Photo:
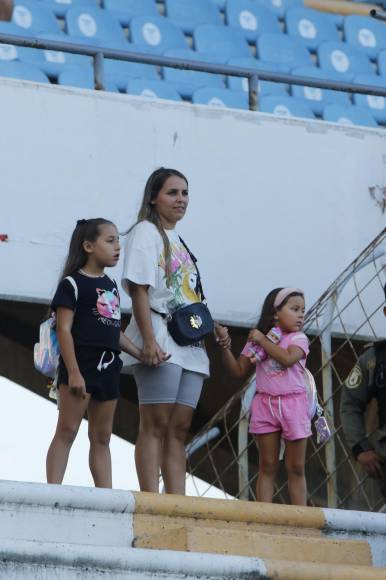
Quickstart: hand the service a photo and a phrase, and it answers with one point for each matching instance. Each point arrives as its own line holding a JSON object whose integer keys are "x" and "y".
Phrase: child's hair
{"x": 267, "y": 316}
{"x": 148, "y": 212}
{"x": 85, "y": 231}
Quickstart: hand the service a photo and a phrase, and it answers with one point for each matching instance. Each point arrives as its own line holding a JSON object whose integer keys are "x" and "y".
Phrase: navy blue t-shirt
{"x": 97, "y": 318}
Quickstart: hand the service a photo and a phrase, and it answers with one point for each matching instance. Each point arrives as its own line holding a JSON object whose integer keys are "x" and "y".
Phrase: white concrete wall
{"x": 273, "y": 202}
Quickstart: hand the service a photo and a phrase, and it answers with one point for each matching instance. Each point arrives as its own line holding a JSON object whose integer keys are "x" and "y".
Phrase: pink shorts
{"x": 286, "y": 413}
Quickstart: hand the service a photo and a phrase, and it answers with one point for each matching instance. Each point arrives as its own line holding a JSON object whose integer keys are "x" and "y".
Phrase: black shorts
{"x": 99, "y": 368}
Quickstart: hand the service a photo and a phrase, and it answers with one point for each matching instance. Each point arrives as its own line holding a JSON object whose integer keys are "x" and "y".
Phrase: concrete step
{"x": 271, "y": 546}
{"x": 33, "y": 560}
{"x": 65, "y": 532}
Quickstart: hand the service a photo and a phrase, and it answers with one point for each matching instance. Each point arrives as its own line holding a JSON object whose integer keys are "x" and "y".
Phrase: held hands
{"x": 76, "y": 385}
{"x": 255, "y": 336}
{"x": 152, "y": 354}
{"x": 372, "y": 464}
{"x": 222, "y": 336}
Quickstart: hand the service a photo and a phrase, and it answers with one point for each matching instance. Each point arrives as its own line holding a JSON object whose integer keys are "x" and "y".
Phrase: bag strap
{"x": 194, "y": 260}
{"x": 74, "y": 285}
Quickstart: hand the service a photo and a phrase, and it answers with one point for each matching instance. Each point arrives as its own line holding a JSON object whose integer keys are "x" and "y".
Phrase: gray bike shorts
{"x": 168, "y": 383}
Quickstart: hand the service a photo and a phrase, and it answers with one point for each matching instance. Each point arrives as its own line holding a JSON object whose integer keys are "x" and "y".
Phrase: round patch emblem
{"x": 247, "y": 20}
{"x": 149, "y": 94}
{"x": 151, "y": 33}
{"x": 354, "y": 379}
{"x": 345, "y": 121}
{"x": 339, "y": 61}
{"x": 366, "y": 38}
{"x": 195, "y": 321}
{"x": 22, "y": 16}
{"x": 55, "y": 56}
{"x": 306, "y": 28}
{"x": 87, "y": 25}
{"x": 375, "y": 102}
{"x": 8, "y": 52}
{"x": 313, "y": 93}
{"x": 282, "y": 110}
{"x": 216, "y": 102}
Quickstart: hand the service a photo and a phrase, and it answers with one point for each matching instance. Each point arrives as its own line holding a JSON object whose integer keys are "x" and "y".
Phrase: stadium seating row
{"x": 312, "y": 46}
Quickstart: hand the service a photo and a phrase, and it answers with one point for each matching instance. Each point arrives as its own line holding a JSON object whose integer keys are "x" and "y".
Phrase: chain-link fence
{"x": 347, "y": 316}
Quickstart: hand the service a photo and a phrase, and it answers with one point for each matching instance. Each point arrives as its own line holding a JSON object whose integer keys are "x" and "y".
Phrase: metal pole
{"x": 332, "y": 491}
{"x": 242, "y": 435}
{"x": 98, "y": 71}
{"x": 253, "y": 90}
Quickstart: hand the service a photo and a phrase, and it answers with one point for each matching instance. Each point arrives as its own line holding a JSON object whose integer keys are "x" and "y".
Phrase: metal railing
{"x": 99, "y": 53}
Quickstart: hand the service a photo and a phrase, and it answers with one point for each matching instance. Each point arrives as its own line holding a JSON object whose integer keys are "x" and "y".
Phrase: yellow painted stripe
{"x": 228, "y": 510}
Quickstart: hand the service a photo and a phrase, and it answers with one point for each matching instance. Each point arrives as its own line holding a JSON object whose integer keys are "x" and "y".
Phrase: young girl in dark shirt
{"x": 88, "y": 325}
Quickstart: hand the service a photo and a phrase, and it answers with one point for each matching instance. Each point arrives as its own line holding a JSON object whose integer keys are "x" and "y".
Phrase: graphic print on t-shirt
{"x": 183, "y": 276}
{"x": 108, "y": 303}
{"x": 108, "y": 307}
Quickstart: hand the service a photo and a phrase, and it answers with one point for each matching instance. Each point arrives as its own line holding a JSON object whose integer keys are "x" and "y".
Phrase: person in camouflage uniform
{"x": 366, "y": 381}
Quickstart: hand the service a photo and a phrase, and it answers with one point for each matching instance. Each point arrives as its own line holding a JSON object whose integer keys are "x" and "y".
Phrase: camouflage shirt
{"x": 367, "y": 380}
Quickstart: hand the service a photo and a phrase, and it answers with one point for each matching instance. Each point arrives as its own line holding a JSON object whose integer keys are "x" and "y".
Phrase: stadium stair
{"x": 49, "y": 531}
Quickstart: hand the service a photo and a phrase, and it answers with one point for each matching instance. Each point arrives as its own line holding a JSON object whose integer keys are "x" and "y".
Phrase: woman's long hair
{"x": 148, "y": 212}
{"x": 267, "y": 316}
{"x": 85, "y": 231}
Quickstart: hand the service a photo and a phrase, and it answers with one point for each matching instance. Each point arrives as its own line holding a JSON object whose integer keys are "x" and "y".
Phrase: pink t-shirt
{"x": 274, "y": 379}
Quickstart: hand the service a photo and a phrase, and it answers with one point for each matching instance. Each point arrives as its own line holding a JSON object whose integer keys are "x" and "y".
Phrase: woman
{"x": 160, "y": 277}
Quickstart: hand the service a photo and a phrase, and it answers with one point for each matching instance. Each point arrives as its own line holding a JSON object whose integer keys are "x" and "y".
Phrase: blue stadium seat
{"x": 219, "y": 3}
{"x": 353, "y": 115}
{"x": 265, "y": 87}
{"x": 156, "y": 34}
{"x": 188, "y": 14}
{"x": 382, "y": 63}
{"x": 280, "y": 7}
{"x": 95, "y": 26}
{"x": 376, "y": 104}
{"x": 310, "y": 27}
{"x": 83, "y": 78}
{"x": 125, "y": 10}
{"x": 318, "y": 98}
{"x": 53, "y": 62}
{"x": 188, "y": 81}
{"x": 283, "y": 49}
{"x": 341, "y": 58}
{"x": 34, "y": 17}
{"x": 13, "y": 28}
{"x": 252, "y": 18}
{"x": 223, "y": 40}
{"x": 152, "y": 89}
{"x": 220, "y": 98}
{"x": 285, "y": 107}
{"x": 120, "y": 72}
{"x": 365, "y": 33}
{"x": 22, "y": 70}
{"x": 9, "y": 52}
{"x": 60, "y": 7}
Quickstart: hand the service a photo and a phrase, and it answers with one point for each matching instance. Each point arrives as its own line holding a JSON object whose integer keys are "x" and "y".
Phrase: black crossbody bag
{"x": 190, "y": 324}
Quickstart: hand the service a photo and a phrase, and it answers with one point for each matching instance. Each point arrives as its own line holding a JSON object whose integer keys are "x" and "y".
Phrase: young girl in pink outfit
{"x": 277, "y": 350}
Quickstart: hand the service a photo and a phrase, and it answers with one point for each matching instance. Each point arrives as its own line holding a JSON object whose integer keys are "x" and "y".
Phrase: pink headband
{"x": 282, "y": 295}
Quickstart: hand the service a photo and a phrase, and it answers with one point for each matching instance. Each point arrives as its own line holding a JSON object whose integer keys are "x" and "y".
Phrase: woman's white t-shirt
{"x": 144, "y": 263}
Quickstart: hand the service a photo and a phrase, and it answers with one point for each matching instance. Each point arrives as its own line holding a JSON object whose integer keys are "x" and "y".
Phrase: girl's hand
{"x": 255, "y": 336}
{"x": 153, "y": 355}
{"x": 222, "y": 336}
{"x": 76, "y": 385}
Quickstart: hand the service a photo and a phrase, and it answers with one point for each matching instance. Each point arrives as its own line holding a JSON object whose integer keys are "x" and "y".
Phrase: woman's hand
{"x": 153, "y": 355}
{"x": 255, "y": 336}
{"x": 222, "y": 336}
{"x": 76, "y": 385}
